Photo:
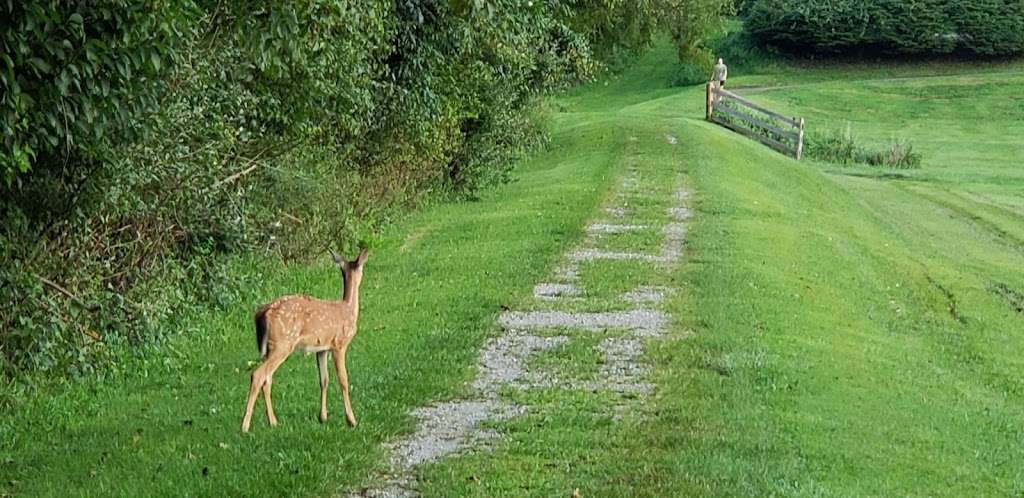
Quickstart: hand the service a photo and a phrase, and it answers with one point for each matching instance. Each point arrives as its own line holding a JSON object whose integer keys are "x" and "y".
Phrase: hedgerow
{"x": 988, "y": 27}
{"x": 144, "y": 143}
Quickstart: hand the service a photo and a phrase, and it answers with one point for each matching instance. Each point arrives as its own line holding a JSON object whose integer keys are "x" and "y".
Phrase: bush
{"x": 841, "y": 147}
{"x": 143, "y": 144}
{"x": 990, "y": 27}
{"x": 275, "y": 126}
{"x": 742, "y": 53}
{"x": 689, "y": 73}
{"x": 900, "y": 155}
{"x": 73, "y": 72}
{"x": 837, "y": 146}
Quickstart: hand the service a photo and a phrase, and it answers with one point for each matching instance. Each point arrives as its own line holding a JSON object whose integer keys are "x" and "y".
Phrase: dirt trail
{"x": 451, "y": 427}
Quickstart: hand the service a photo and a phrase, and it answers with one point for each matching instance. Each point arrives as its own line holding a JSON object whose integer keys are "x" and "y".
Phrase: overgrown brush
{"x": 842, "y": 147}
{"x": 742, "y": 53}
{"x": 143, "y": 144}
{"x": 281, "y": 126}
{"x": 689, "y": 73}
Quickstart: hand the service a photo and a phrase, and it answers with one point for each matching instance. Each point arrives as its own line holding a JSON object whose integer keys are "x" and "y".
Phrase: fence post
{"x": 800, "y": 141}
{"x": 709, "y": 107}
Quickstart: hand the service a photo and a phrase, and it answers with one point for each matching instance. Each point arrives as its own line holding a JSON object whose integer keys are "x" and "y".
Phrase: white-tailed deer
{"x": 310, "y": 325}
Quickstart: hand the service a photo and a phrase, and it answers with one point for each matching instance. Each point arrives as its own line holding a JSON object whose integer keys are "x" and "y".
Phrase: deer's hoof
{"x": 323, "y": 418}
{"x": 352, "y": 422}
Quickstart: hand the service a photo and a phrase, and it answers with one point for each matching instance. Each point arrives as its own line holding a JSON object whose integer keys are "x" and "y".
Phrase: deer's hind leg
{"x": 321, "y": 365}
{"x": 271, "y": 365}
{"x": 261, "y": 379}
{"x": 254, "y": 392}
{"x": 339, "y": 365}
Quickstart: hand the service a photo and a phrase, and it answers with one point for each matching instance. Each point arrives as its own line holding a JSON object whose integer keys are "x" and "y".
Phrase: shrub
{"x": 835, "y": 147}
{"x": 990, "y": 27}
{"x": 71, "y": 73}
{"x": 281, "y": 126}
{"x": 841, "y": 147}
{"x": 143, "y": 144}
{"x": 899, "y": 155}
{"x": 688, "y": 73}
{"x": 742, "y": 53}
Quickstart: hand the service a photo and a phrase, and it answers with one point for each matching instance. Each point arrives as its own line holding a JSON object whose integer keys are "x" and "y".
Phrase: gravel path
{"x": 648, "y": 321}
{"x": 449, "y": 427}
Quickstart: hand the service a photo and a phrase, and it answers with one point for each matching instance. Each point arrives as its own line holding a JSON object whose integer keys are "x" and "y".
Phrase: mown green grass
{"x": 836, "y": 331}
{"x": 849, "y": 338}
{"x": 430, "y": 295}
{"x": 849, "y": 370}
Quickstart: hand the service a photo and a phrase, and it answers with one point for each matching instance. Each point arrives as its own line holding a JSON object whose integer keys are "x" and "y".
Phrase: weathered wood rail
{"x": 782, "y": 133}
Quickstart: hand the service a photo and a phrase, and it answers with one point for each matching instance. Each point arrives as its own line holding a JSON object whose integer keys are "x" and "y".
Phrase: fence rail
{"x": 782, "y": 133}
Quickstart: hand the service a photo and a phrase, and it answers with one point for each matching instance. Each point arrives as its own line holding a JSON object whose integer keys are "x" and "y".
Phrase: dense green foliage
{"x": 70, "y": 73}
{"x": 143, "y": 142}
{"x": 281, "y": 126}
{"x": 743, "y": 54}
{"x": 618, "y": 28}
{"x": 688, "y": 73}
{"x": 990, "y": 27}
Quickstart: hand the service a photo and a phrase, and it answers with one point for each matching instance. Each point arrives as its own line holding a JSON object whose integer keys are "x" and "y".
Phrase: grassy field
{"x": 856, "y": 329}
{"x": 837, "y": 331}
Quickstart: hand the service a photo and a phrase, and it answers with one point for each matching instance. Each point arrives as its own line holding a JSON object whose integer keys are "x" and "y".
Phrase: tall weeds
{"x": 842, "y": 147}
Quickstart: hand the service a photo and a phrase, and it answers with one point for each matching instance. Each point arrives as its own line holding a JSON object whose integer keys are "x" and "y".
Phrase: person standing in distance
{"x": 720, "y": 74}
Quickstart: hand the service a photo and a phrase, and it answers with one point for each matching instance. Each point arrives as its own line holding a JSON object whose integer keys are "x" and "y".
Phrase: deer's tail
{"x": 261, "y": 331}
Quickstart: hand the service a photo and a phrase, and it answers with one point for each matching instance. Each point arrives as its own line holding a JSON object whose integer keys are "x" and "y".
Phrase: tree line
{"x": 144, "y": 143}
{"x": 925, "y": 27}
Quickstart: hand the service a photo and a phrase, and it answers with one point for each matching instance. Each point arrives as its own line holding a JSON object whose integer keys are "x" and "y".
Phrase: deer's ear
{"x": 362, "y": 256}
{"x": 338, "y": 260}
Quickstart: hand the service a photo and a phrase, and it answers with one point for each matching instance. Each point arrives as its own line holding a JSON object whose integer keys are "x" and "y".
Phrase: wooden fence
{"x": 782, "y": 133}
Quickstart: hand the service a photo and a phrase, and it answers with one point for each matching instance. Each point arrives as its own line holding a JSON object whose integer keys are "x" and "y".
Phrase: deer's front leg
{"x": 321, "y": 365}
{"x": 339, "y": 365}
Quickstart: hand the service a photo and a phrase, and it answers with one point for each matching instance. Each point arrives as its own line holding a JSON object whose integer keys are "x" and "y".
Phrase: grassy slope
{"x": 869, "y": 353}
{"x": 863, "y": 353}
{"x": 848, "y": 340}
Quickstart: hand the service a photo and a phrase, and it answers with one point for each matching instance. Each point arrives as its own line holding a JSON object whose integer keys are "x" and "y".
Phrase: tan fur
{"x": 309, "y": 325}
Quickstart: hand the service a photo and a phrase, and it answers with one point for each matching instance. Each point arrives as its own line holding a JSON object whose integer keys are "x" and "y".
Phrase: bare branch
{"x": 66, "y": 292}
{"x": 251, "y": 165}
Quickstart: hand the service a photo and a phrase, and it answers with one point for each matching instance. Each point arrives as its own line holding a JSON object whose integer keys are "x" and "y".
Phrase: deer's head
{"x": 351, "y": 272}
